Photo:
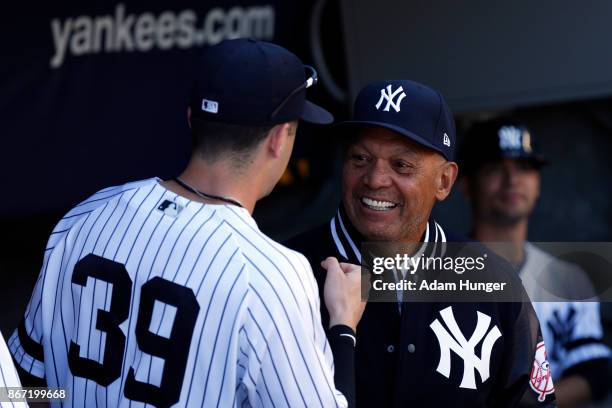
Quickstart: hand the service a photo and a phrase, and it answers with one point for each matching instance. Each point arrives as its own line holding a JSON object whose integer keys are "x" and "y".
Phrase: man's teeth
{"x": 378, "y": 205}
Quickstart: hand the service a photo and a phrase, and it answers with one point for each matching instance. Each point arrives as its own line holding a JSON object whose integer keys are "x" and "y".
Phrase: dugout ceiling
{"x": 483, "y": 54}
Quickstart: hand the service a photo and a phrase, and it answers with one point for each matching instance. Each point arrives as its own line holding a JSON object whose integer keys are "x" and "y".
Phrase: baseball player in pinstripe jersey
{"x": 166, "y": 293}
{"x": 501, "y": 162}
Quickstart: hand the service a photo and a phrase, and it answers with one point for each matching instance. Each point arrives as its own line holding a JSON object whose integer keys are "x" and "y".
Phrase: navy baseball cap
{"x": 496, "y": 139}
{"x": 410, "y": 109}
{"x": 250, "y": 82}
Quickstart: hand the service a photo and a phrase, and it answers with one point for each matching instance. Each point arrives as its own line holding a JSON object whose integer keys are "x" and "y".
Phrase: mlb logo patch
{"x": 210, "y": 106}
{"x": 170, "y": 208}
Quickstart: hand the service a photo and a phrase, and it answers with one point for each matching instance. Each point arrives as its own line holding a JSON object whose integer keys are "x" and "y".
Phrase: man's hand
{"x": 342, "y": 293}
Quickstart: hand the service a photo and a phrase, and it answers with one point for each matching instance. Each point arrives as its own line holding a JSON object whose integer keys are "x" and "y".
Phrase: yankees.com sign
{"x": 95, "y": 93}
{"x": 123, "y": 31}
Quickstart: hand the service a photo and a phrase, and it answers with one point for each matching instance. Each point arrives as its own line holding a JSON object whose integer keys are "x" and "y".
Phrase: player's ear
{"x": 445, "y": 179}
{"x": 277, "y": 137}
{"x": 189, "y": 116}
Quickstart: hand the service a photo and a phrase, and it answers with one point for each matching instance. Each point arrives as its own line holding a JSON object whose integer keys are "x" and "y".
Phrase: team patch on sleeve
{"x": 540, "y": 379}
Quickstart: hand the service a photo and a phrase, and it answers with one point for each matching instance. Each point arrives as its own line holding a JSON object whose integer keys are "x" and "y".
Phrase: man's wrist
{"x": 342, "y": 322}
{"x": 343, "y": 331}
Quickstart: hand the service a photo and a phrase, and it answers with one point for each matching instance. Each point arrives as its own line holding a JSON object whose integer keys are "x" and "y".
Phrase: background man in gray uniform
{"x": 500, "y": 165}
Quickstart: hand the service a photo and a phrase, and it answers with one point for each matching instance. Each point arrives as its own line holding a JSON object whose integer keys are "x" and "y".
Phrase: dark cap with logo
{"x": 496, "y": 139}
{"x": 411, "y": 109}
{"x": 250, "y": 82}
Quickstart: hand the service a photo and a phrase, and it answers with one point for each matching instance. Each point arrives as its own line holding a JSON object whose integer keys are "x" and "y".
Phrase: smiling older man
{"x": 398, "y": 164}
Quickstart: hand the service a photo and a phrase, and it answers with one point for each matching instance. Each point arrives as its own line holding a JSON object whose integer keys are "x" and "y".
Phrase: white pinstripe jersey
{"x": 148, "y": 298}
{"x": 8, "y": 374}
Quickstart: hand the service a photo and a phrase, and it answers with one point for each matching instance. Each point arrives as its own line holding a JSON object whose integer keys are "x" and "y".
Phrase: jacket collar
{"x": 348, "y": 241}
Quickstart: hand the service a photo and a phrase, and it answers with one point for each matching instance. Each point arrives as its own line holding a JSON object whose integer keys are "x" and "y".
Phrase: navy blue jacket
{"x": 398, "y": 357}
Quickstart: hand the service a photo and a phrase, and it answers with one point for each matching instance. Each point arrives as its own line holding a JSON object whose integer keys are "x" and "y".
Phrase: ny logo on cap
{"x": 388, "y": 95}
{"x": 509, "y": 138}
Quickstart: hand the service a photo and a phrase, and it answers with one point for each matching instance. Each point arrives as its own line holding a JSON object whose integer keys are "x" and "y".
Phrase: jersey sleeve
{"x": 26, "y": 342}
{"x": 585, "y": 339}
{"x": 526, "y": 378}
{"x": 578, "y": 341}
{"x": 577, "y": 325}
{"x": 287, "y": 366}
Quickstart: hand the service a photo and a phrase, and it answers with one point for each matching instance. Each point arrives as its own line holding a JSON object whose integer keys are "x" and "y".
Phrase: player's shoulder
{"x": 538, "y": 255}
{"x": 103, "y": 196}
{"x": 278, "y": 275}
{"x": 545, "y": 259}
{"x": 295, "y": 258}
{"x": 95, "y": 202}
{"x": 555, "y": 275}
{"x": 257, "y": 247}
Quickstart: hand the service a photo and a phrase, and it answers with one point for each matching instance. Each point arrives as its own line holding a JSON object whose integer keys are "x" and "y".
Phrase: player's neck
{"x": 220, "y": 179}
{"x": 510, "y": 236}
